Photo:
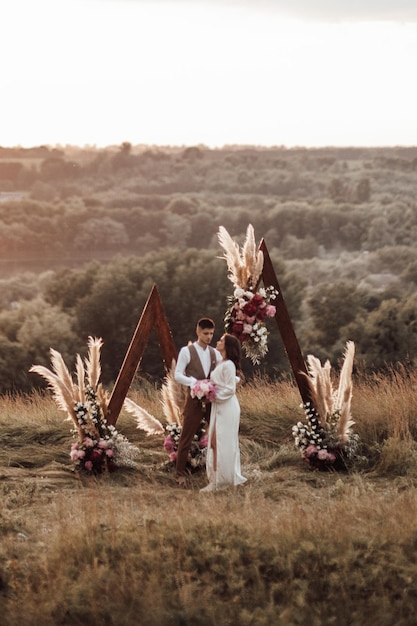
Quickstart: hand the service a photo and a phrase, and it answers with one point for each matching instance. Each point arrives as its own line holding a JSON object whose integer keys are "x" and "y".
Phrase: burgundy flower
{"x": 261, "y": 314}
{"x": 250, "y": 308}
{"x": 258, "y": 301}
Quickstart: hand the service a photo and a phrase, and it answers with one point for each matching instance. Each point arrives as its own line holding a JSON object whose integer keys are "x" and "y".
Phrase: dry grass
{"x": 291, "y": 547}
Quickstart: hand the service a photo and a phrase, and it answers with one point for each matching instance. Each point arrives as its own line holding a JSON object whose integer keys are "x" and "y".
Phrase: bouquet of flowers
{"x": 99, "y": 446}
{"x": 326, "y": 439}
{"x": 204, "y": 390}
{"x": 245, "y": 318}
{"x": 198, "y": 450}
{"x": 249, "y": 307}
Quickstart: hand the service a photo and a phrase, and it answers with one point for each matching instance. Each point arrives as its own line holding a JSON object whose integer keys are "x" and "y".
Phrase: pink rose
{"x": 168, "y": 444}
{"x": 88, "y": 466}
{"x": 172, "y": 457}
{"x": 247, "y": 329}
{"x": 271, "y": 310}
{"x": 310, "y": 450}
{"x": 109, "y": 453}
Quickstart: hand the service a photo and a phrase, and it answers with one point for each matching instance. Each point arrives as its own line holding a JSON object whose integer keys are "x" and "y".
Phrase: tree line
{"x": 84, "y": 233}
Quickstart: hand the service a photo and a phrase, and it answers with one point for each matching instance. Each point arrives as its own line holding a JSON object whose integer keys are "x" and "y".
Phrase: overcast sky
{"x": 265, "y": 72}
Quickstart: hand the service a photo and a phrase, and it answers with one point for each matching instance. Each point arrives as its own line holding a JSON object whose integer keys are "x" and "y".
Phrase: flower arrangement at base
{"x": 326, "y": 439}
{"x": 99, "y": 446}
{"x": 248, "y": 307}
{"x": 173, "y": 399}
{"x": 198, "y": 450}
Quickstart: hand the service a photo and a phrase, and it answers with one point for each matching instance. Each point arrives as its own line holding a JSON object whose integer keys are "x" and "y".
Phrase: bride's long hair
{"x": 233, "y": 350}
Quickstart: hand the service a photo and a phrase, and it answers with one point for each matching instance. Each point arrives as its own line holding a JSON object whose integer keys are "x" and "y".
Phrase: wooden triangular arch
{"x": 285, "y": 327}
{"x": 153, "y": 316}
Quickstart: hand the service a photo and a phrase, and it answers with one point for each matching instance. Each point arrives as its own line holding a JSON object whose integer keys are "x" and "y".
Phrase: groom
{"x": 195, "y": 362}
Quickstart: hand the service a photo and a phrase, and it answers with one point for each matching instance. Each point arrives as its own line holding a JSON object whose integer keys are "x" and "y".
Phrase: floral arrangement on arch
{"x": 173, "y": 400}
{"x": 326, "y": 439}
{"x": 99, "y": 447}
{"x": 249, "y": 306}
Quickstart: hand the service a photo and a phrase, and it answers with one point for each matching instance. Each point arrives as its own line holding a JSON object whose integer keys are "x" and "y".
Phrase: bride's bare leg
{"x": 214, "y": 448}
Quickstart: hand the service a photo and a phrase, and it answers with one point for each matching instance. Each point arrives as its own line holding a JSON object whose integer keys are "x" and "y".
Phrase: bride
{"x": 223, "y": 452}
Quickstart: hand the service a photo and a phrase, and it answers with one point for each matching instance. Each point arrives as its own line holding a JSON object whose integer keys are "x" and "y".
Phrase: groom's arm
{"x": 179, "y": 374}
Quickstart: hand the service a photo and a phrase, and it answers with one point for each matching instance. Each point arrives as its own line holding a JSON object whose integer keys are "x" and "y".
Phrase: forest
{"x": 86, "y": 232}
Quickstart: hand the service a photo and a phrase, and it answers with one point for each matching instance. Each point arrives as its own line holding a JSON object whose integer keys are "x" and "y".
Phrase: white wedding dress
{"x": 224, "y": 421}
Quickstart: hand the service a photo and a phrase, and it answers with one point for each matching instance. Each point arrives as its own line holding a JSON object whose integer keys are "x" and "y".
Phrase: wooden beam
{"x": 153, "y": 315}
{"x": 285, "y": 327}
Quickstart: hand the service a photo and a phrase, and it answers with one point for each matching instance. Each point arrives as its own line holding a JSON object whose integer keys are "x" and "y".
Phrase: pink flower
{"x": 271, "y": 310}
{"x": 204, "y": 390}
{"x": 172, "y": 457}
{"x": 331, "y": 457}
{"x": 310, "y": 450}
{"x": 168, "y": 444}
{"x": 322, "y": 455}
{"x": 103, "y": 444}
{"x": 247, "y": 329}
{"x": 88, "y": 466}
{"x": 88, "y": 442}
{"x": 109, "y": 453}
{"x": 204, "y": 441}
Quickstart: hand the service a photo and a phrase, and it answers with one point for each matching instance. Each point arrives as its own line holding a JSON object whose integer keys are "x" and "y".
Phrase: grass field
{"x": 291, "y": 547}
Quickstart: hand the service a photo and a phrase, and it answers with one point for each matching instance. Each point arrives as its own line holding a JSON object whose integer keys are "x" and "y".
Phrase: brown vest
{"x": 194, "y": 367}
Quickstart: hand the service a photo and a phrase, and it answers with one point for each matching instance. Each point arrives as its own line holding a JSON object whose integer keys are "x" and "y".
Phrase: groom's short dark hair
{"x": 205, "y": 322}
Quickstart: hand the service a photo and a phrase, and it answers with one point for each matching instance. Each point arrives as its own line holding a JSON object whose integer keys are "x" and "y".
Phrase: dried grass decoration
{"x": 173, "y": 399}
{"x": 327, "y": 441}
{"x": 99, "y": 446}
{"x": 248, "y": 307}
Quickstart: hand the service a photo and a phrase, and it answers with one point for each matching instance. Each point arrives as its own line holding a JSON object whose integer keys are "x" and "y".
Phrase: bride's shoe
{"x": 210, "y": 487}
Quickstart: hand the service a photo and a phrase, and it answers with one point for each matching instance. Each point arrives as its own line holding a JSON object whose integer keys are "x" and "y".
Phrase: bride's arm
{"x": 226, "y": 385}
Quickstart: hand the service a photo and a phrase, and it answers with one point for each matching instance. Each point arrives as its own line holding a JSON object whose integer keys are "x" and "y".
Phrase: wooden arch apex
{"x": 153, "y": 316}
